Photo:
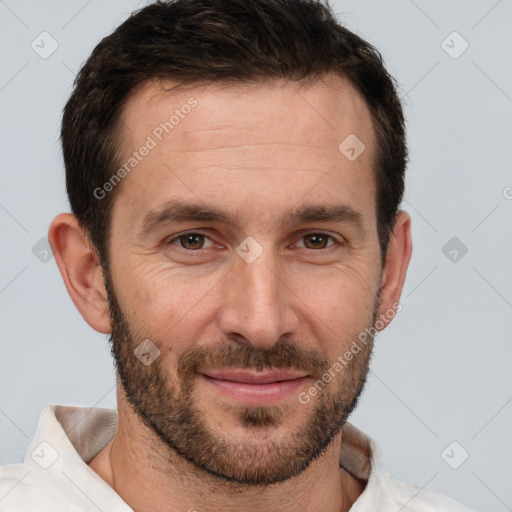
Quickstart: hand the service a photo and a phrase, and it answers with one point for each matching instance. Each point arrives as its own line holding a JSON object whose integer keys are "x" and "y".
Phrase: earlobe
{"x": 79, "y": 267}
{"x": 395, "y": 269}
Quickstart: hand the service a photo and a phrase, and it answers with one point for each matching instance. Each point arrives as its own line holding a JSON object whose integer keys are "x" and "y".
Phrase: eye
{"x": 191, "y": 241}
{"x": 318, "y": 241}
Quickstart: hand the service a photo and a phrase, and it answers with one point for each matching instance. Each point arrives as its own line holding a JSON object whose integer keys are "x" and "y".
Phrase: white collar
{"x": 77, "y": 434}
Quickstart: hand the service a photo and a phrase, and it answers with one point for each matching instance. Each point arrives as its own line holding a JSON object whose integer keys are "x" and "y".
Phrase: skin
{"x": 255, "y": 151}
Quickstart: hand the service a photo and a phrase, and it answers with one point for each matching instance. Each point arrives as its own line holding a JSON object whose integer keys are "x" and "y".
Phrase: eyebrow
{"x": 179, "y": 211}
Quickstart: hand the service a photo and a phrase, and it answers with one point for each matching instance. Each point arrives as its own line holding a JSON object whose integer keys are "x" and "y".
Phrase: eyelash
{"x": 337, "y": 242}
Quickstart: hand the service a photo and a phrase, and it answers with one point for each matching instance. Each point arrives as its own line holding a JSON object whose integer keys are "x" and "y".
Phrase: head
{"x": 235, "y": 171}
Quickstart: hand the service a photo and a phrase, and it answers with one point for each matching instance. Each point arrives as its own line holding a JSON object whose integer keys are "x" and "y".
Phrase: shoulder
{"x": 20, "y": 490}
{"x": 361, "y": 456}
{"x": 416, "y": 498}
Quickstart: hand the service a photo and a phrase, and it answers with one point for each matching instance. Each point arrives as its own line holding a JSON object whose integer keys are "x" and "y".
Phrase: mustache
{"x": 282, "y": 355}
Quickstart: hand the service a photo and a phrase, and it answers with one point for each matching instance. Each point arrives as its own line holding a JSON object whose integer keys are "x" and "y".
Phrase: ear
{"x": 394, "y": 271}
{"x": 79, "y": 266}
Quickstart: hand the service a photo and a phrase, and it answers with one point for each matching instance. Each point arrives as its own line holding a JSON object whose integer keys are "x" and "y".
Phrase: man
{"x": 235, "y": 170}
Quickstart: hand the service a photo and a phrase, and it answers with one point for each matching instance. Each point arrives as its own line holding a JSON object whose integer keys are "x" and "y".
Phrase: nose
{"x": 258, "y": 305}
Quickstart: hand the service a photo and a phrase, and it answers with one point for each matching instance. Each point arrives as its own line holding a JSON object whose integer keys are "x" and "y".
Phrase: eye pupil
{"x": 193, "y": 241}
{"x": 316, "y": 240}
{"x": 190, "y": 241}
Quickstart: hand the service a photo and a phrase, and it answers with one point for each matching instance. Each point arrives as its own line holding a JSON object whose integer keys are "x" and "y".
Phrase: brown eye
{"x": 192, "y": 241}
{"x": 316, "y": 241}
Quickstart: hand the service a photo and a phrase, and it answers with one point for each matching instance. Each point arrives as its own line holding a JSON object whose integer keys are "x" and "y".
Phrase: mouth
{"x": 255, "y": 388}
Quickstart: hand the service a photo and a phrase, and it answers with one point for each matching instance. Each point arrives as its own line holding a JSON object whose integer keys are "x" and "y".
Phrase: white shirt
{"x": 55, "y": 476}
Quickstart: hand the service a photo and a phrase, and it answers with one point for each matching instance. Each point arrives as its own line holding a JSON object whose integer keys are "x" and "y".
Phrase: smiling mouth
{"x": 255, "y": 388}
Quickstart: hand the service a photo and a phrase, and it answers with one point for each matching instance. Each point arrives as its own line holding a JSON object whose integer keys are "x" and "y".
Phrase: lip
{"x": 255, "y": 388}
{"x": 253, "y": 377}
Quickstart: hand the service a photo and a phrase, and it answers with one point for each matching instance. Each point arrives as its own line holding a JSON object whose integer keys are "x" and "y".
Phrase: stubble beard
{"x": 166, "y": 404}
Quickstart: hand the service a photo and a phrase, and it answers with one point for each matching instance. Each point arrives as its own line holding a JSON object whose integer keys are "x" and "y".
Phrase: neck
{"x": 150, "y": 476}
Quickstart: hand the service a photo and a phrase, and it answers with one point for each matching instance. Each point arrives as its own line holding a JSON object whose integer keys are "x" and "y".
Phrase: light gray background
{"x": 442, "y": 370}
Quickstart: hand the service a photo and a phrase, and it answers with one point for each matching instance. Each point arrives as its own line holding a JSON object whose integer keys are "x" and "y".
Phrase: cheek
{"x": 338, "y": 306}
{"x": 167, "y": 305}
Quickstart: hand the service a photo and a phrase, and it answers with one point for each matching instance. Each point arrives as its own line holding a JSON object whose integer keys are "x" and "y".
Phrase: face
{"x": 244, "y": 250}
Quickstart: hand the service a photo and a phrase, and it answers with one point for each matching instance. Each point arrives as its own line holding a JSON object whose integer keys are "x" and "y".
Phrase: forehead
{"x": 331, "y": 105}
{"x": 256, "y": 147}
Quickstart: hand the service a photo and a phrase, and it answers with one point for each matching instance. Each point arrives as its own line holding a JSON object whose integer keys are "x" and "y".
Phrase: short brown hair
{"x": 197, "y": 41}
